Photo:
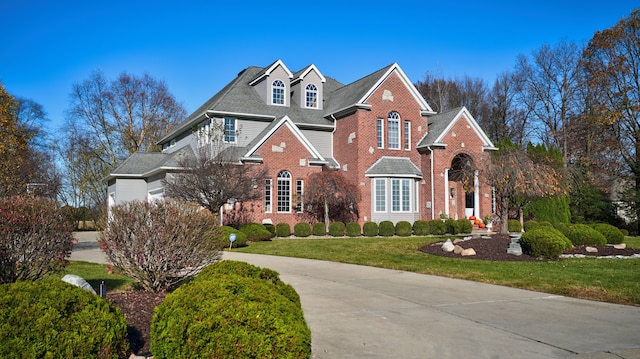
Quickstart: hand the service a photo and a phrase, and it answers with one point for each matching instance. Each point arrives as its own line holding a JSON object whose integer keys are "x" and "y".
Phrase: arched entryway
{"x": 463, "y": 187}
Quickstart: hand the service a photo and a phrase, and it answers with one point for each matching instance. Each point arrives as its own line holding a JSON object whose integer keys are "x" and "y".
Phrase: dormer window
{"x": 311, "y": 95}
{"x": 278, "y": 90}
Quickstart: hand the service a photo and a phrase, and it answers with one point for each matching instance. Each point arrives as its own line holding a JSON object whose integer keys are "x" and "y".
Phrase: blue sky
{"x": 197, "y": 47}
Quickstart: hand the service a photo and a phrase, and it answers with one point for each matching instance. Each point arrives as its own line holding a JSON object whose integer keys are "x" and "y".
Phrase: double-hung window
{"x": 393, "y": 130}
{"x": 381, "y": 194}
{"x": 267, "y": 195}
{"x": 299, "y": 195}
{"x": 380, "y": 132}
{"x": 311, "y": 96}
{"x": 229, "y": 130}
{"x": 407, "y": 135}
{"x": 400, "y": 195}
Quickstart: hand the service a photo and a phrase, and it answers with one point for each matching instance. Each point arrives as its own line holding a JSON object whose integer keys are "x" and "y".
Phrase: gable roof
{"x": 387, "y": 166}
{"x": 440, "y": 124}
{"x": 267, "y": 71}
{"x": 302, "y": 73}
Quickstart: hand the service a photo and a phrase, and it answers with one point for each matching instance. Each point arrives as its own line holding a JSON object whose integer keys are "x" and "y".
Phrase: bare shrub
{"x": 36, "y": 239}
{"x": 161, "y": 244}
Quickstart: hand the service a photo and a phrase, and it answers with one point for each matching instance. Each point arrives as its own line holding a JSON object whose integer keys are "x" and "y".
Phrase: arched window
{"x": 393, "y": 130}
{"x": 284, "y": 191}
{"x": 278, "y": 92}
{"x": 311, "y": 96}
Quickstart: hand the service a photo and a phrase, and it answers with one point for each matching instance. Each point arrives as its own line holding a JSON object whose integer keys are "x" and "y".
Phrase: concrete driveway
{"x": 364, "y": 312}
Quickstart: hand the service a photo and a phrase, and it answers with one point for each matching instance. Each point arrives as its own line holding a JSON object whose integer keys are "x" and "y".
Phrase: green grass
{"x": 607, "y": 280}
{"x": 96, "y": 273}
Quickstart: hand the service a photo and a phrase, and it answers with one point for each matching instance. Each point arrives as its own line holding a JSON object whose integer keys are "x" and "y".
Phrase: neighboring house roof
{"x": 144, "y": 164}
{"x": 440, "y": 124}
{"x": 393, "y": 167}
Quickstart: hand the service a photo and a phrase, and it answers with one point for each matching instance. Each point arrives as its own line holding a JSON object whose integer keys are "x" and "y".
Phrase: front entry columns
{"x": 476, "y": 195}
{"x": 446, "y": 191}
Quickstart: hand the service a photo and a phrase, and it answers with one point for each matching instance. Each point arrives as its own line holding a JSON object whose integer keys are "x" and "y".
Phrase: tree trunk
{"x": 326, "y": 215}
{"x": 504, "y": 215}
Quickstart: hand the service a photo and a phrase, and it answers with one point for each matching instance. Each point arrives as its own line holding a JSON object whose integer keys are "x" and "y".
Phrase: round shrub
{"x": 386, "y": 229}
{"x": 583, "y": 234}
{"x": 611, "y": 233}
{"x": 370, "y": 229}
{"x": 283, "y": 230}
{"x": 244, "y": 269}
{"x": 336, "y": 229}
{"x": 544, "y": 242}
{"x": 302, "y": 229}
{"x": 319, "y": 229}
{"x": 452, "y": 225}
{"x": 465, "y": 225}
{"x": 404, "y": 229}
{"x": 437, "y": 227}
{"x": 256, "y": 232}
{"x": 530, "y": 225}
{"x": 514, "y": 225}
{"x": 421, "y": 228}
{"x": 229, "y": 317}
{"x": 271, "y": 228}
{"x": 53, "y": 319}
{"x": 562, "y": 227}
{"x": 353, "y": 229}
{"x": 241, "y": 237}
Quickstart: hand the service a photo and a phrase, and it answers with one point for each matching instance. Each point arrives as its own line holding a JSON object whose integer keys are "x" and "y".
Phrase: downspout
{"x": 433, "y": 205}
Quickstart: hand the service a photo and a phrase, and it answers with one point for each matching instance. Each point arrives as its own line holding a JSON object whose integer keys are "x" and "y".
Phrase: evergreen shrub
{"x": 256, "y": 232}
{"x": 580, "y": 234}
{"x": 370, "y": 229}
{"x": 302, "y": 229}
{"x": 386, "y": 229}
{"x": 544, "y": 242}
{"x": 452, "y": 225}
{"x": 404, "y": 229}
{"x": 562, "y": 227}
{"x": 241, "y": 237}
{"x": 283, "y": 230}
{"x": 437, "y": 227}
{"x": 233, "y": 317}
{"x": 421, "y": 228}
{"x": 271, "y": 228}
{"x": 514, "y": 226}
{"x": 319, "y": 229}
{"x": 465, "y": 225}
{"x": 353, "y": 229}
{"x": 611, "y": 233}
{"x": 336, "y": 229}
{"x": 52, "y": 319}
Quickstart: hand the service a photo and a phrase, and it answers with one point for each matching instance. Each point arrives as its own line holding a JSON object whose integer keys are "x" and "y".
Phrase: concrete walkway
{"x": 364, "y": 312}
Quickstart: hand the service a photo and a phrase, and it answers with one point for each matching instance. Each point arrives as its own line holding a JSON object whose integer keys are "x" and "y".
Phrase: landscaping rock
{"x": 468, "y": 252}
{"x": 448, "y": 246}
{"x": 591, "y": 249}
{"x": 620, "y": 246}
{"x": 457, "y": 249}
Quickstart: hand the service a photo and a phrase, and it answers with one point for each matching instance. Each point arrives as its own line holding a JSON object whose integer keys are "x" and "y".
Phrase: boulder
{"x": 591, "y": 249}
{"x": 468, "y": 252}
{"x": 448, "y": 246}
{"x": 620, "y": 246}
{"x": 78, "y": 281}
{"x": 457, "y": 249}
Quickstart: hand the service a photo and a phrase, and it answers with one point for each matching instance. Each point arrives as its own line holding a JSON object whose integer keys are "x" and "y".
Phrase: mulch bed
{"x": 138, "y": 306}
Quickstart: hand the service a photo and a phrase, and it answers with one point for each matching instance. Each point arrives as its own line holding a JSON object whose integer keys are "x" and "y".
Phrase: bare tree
{"x": 112, "y": 120}
{"x": 330, "y": 196}
{"x": 215, "y": 176}
{"x": 443, "y": 95}
{"x": 506, "y": 120}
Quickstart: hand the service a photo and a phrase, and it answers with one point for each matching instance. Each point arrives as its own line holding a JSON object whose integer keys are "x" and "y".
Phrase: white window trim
{"x": 398, "y": 138}
{"x": 375, "y": 194}
{"x": 401, "y": 194}
{"x": 407, "y": 135}
{"x": 268, "y": 199}
{"x": 235, "y": 130}
{"x": 380, "y": 134}
{"x": 300, "y": 196}
{"x": 306, "y": 95}
{"x": 284, "y": 94}
{"x": 284, "y": 179}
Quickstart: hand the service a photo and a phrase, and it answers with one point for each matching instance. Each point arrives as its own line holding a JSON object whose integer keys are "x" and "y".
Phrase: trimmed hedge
{"x": 404, "y": 229}
{"x": 241, "y": 237}
{"x": 302, "y": 229}
{"x": 583, "y": 234}
{"x": 256, "y": 232}
{"x": 336, "y": 229}
{"x": 421, "y": 228}
{"x": 353, "y": 229}
{"x": 437, "y": 227}
{"x": 271, "y": 228}
{"x": 386, "y": 229}
{"x": 544, "y": 242}
{"x": 514, "y": 225}
{"x": 465, "y": 225}
{"x": 283, "y": 230}
{"x": 453, "y": 226}
{"x": 611, "y": 233}
{"x": 233, "y": 317}
{"x": 319, "y": 229}
{"x": 53, "y": 319}
{"x": 370, "y": 229}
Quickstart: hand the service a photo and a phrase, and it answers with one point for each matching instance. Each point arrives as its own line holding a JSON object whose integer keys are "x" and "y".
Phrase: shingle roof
{"x": 141, "y": 163}
{"x": 350, "y": 94}
{"x": 394, "y": 166}
{"x": 437, "y": 125}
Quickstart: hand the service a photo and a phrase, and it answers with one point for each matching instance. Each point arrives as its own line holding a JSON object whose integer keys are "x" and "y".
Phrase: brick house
{"x": 409, "y": 162}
